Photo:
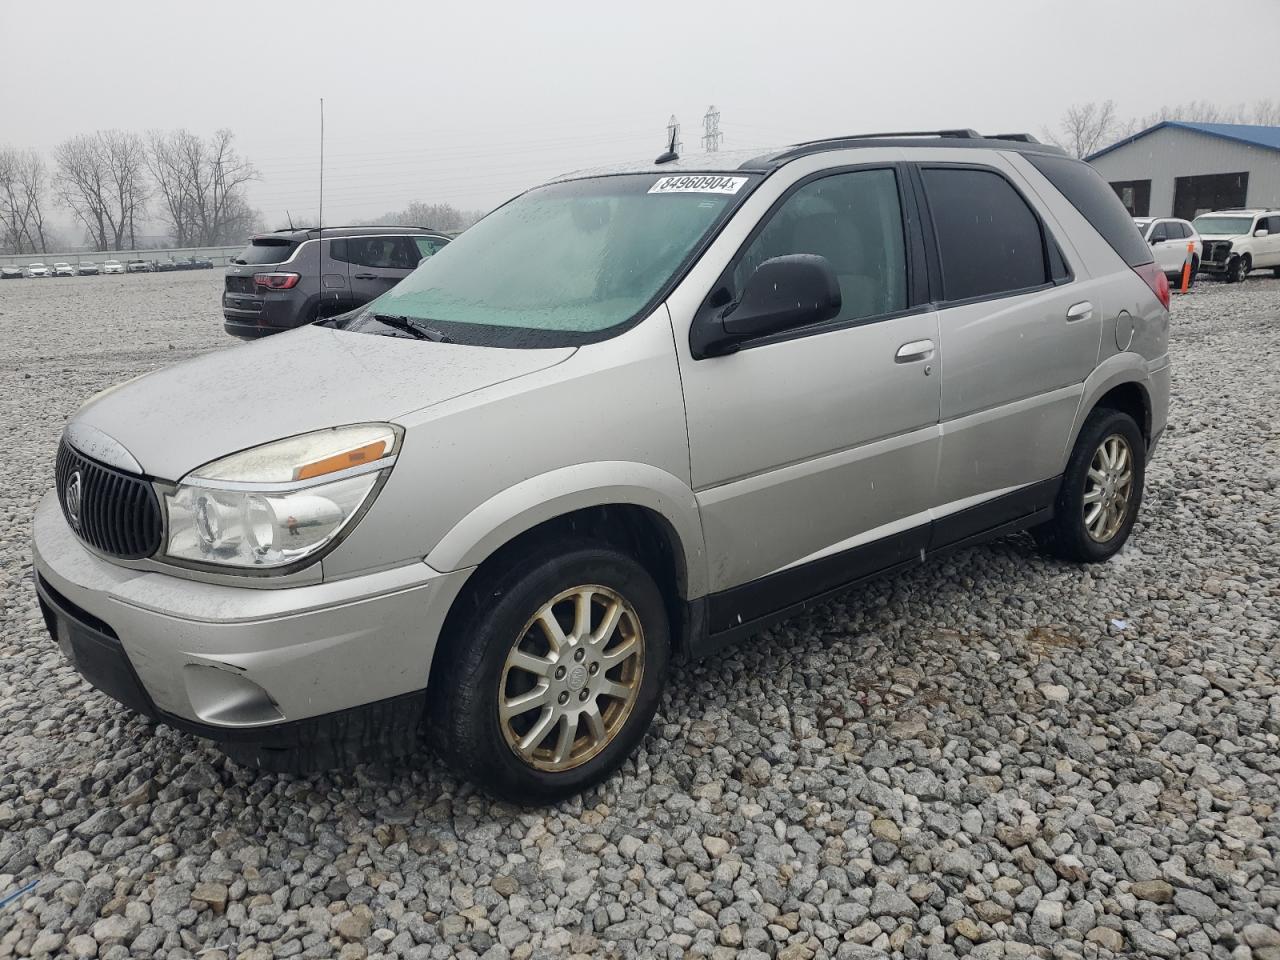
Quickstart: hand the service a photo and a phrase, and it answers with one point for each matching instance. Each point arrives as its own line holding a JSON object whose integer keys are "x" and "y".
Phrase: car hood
{"x": 181, "y": 417}
{"x": 1222, "y": 236}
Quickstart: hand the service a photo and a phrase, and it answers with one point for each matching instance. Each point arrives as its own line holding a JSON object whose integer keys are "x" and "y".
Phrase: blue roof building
{"x": 1180, "y": 168}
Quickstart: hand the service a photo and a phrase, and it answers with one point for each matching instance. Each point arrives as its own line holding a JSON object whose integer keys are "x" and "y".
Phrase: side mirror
{"x": 1263, "y": 232}
{"x": 783, "y": 293}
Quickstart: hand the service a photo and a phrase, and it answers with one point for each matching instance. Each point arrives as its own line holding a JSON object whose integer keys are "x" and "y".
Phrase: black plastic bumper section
{"x": 391, "y": 727}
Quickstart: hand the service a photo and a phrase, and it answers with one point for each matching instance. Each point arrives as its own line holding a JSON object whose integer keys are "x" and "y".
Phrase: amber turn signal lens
{"x": 342, "y": 461}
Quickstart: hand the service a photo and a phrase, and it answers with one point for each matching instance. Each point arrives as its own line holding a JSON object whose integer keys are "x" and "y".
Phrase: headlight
{"x": 280, "y": 503}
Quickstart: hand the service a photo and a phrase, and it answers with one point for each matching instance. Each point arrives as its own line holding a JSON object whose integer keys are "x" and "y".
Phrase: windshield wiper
{"x": 411, "y": 326}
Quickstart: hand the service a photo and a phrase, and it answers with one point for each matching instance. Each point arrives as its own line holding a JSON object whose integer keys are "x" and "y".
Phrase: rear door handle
{"x": 366, "y": 276}
{"x": 1080, "y": 311}
{"x": 913, "y": 351}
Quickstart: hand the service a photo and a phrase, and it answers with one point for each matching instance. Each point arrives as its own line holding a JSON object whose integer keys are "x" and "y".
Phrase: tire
{"x": 1195, "y": 268}
{"x": 1239, "y": 269}
{"x": 1070, "y": 535}
{"x": 1275, "y": 272}
{"x": 485, "y": 659}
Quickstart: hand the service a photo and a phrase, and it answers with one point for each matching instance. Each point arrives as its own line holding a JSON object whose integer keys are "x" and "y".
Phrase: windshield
{"x": 563, "y": 264}
{"x": 1232, "y": 226}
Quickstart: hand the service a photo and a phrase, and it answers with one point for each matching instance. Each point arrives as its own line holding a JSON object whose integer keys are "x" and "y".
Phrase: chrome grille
{"x": 114, "y": 512}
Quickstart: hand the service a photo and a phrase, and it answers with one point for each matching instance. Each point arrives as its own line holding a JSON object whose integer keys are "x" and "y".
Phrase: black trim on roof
{"x": 354, "y": 230}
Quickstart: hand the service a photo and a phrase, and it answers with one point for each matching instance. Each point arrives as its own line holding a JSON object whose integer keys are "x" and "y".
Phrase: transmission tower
{"x": 711, "y": 136}
{"x": 673, "y": 135}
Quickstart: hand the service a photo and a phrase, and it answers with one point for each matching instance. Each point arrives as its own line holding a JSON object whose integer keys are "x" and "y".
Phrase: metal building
{"x": 1182, "y": 169}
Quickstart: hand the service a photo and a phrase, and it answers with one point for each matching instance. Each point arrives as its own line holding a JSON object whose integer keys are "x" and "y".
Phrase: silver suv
{"x": 632, "y": 415}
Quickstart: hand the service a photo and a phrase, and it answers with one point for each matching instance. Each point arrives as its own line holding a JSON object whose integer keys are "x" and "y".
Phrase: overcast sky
{"x": 469, "y": 103}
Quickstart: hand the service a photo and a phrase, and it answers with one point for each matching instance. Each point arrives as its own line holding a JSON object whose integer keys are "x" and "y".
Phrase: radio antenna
{"x": 321, "y": 163}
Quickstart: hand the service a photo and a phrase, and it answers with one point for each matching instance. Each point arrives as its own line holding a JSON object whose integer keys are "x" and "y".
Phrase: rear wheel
{"x": 1101, "y": 490}
{"x": 1275, "y": 272}
{"x": 552, "y": 674}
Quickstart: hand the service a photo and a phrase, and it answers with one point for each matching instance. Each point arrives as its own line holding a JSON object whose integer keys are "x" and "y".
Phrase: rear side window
{"x": 429, "y": 245}
{"x": 1097, "y": 203}
{"x": 388, "y": 253}
{"x": 267, "y": 250}
{"x": 989, "y": 240}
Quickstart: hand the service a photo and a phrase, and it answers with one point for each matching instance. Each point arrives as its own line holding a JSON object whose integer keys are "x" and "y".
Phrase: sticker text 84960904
{"x": 698, "y": 184}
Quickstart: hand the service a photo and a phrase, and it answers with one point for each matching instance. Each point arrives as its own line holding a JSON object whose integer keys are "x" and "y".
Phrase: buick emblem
{"x": 72, "y": 494}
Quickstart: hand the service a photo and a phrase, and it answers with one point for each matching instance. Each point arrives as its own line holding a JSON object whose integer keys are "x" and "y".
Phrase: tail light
{"x": 276, "y": 281}
{"x": 1154, "y": 278}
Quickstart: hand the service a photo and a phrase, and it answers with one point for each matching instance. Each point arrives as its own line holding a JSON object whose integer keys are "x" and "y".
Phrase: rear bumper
{"x": 294, "y": 678}
{"x": 250, "y": 316}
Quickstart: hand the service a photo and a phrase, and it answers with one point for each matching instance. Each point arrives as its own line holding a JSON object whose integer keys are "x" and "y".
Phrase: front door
{"x": 809, "y": 448}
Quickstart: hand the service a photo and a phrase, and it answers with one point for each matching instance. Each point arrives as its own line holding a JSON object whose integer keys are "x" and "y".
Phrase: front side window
{"x": 989, "y": 240}
{"x": 563, "y": 264}
{"x": 1161, "y": 232}
{"x": 852, "y": 219}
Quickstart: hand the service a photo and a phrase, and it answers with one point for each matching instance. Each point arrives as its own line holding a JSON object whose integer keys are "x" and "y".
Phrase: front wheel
{"x": 1101, "y": 490}
{"x": 552, "y": 673}
{"x": 1239, "y": 269}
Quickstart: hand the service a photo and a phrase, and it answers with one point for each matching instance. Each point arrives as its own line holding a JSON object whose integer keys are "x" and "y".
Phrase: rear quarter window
{"x": 1097, "y": 203}
{"x": 267, "y": 251}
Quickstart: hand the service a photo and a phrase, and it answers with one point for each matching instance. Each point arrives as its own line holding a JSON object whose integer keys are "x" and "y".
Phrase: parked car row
{"x": 91, "y": 268}
{"x": 1223, "y": 243}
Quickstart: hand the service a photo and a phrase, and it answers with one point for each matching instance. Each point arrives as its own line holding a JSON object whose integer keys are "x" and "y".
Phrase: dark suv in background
{"x": 291, "y": 277}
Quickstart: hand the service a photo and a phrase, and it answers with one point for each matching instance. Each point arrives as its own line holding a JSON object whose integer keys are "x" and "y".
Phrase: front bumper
{"x": 294, "y": 678}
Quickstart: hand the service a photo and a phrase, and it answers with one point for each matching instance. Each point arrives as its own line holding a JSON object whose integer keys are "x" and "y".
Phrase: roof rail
{"x": 1016, "y": 137}
{"x": 958, "y": 134}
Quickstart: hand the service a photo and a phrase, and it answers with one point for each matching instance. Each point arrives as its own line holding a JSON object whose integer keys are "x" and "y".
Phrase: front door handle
{"x": 913, "y": 351}
{"x": 1080, "y": 311}
{"x": 366, "y": 276}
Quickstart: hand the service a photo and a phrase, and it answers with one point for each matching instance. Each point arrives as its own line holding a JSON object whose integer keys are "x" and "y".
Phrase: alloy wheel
{"x": 571, "y": 678}
{"x": 1108, "y": 488}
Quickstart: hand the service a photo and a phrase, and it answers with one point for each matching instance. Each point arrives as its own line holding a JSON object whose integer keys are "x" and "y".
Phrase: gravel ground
{"x": 993, "y": 756}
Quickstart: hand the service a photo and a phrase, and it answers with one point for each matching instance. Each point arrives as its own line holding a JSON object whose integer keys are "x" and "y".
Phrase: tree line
{"x": 1085, "y": 128}
{"x": 115, "y": 183}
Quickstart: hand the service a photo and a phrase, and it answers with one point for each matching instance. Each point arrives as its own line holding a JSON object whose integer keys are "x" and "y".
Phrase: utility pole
{"x": 711, "y": 135}
{"x": 673, "y": 135}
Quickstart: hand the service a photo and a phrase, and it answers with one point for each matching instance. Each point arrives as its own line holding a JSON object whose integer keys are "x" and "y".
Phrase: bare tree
{"x": 1088, "y": 127}
{"x": 201, "y": 184}
{"x": 23, "y": 183}
{"x": 437, "y": 216}
{"x": 102, "y": 178}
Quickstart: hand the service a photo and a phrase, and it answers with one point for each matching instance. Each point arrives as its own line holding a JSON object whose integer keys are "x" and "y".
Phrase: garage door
{"x": 1193, "y": 196}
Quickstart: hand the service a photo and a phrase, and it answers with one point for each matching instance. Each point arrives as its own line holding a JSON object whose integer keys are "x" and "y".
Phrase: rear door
{"x": 1019, "y": 335}
{"x": 376, "y": 263}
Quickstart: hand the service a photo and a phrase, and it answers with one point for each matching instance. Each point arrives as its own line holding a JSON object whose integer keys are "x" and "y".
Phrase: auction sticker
{"x": 702, "y": 184}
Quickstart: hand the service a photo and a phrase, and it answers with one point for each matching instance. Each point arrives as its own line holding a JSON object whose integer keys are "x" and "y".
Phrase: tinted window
{"x": 988, "y": 238}
{"x": 855, "y": 221}
{"x": 429, "y": 245}
{"x": 266, "y": 250}
{"x": 1161, "y": 232}
{"x": 387, "y": 253}
{"x": 1096, "y": 202}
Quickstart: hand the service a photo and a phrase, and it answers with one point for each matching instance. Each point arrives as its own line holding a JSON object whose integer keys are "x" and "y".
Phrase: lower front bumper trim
{"x": 343, "y": 738}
